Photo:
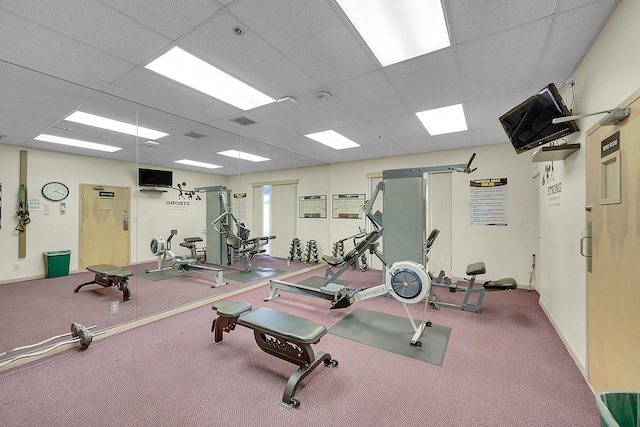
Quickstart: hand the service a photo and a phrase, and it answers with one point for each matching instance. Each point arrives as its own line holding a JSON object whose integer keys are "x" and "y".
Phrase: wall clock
{"x": 55, "y": 191}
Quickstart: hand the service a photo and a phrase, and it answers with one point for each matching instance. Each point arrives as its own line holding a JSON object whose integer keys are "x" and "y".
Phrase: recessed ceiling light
{"x": 198, "y": 164}
{"x": 398, "y": 30}
{"x": 76, "y": 143}
{"x": 443, "y": 120}
{"x": 185, "y": 68}
{"x": 243, "y": 156}
{"x": 332, "y": 139}
{"x": 114, "y": 125}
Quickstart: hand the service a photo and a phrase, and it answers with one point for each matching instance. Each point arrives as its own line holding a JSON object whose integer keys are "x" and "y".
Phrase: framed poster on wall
{"x": 347, "y": 206}
{"x": 489, "y": 201}
{"x": 312, "y": 206}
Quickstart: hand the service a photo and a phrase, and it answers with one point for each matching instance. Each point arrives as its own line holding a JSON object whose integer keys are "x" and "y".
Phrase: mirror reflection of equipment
{"x": 162, "y": 249}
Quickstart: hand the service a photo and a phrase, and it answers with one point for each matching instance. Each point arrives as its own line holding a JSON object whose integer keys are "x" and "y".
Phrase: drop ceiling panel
{"x": 406, "y": 126}
{"x": 472, "y": 20}
{"x": 35, "y": 46}
{"x": 569, "y": 40}
{"x": 418, "y": 145}
{"x": 452, "y": 141}
{"x": 371, "y": 95}
{"x": 311, "y": 34}
{"x": 288, "y": 117}
{"x": 502, "y": 62}
{"x": 259, "y": 131}
{"x": 95, "y": 24}
{"x": 426, "y": 82}
{"x": 488, "y": 136}
{"x": 332, "y": 113}
{"x": 247, "y": 57}
{"x": 167, "y": 17}
{"x": 63, "y": 57}
{"x": 304, "y": 146}
{"x": 485, "y": 112}
{"x": 363, "y": 133}
{"x": 150, "y": 88}
{"x": 40, "y": 87}
{"x": 387, "y": 149}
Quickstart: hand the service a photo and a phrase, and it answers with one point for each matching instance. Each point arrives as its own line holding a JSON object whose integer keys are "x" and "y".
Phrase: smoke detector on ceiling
{"x": 322, "y": 95}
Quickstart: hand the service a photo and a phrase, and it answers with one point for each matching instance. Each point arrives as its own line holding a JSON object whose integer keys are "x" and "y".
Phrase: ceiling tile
{"x": 94, "y": 24}
{"x": 470, "y": 20}
{"x": 167, "y": 17}
{"x": 248, "y": 58}
{"x": 311, "y": 35}
{"x": 502, "y": 62}
{"x": 426, "y": 82}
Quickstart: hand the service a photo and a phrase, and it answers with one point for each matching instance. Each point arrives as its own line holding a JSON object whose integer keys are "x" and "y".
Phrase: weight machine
{"x": 162, "y": 249}
{"x": 224, "y": 245}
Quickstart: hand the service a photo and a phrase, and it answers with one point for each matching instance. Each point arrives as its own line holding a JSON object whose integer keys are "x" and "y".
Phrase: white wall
{"x": 506, "y": 251}
{"x": 609, "y": 73}
{"x": 151, "y": 214}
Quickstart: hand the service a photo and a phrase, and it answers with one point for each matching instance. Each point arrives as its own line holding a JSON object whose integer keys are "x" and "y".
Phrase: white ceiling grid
{"x": 65, "y": 55}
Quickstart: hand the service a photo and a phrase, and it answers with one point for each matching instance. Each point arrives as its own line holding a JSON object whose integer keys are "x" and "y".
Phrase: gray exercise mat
{"x": 318, "y": 282}
{"x": 393, "y": 333}
{"x": 255, "y": 273}
{"x": 157, "y": 276}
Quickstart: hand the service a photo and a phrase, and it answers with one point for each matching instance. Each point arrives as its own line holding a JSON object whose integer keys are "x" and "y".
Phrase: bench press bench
{"x": 109, "y": 275}
{"x": 282, "y": 335}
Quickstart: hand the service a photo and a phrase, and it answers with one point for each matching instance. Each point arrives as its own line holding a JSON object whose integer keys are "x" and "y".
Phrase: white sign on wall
{"x": 489, "y": 201}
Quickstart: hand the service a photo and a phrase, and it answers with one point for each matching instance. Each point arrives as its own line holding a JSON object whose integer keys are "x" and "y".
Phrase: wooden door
{"x": 613, "y": 283}
{"x": 104, "y": 225}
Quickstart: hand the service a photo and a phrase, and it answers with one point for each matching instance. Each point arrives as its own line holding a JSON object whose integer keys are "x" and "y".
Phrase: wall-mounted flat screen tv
{"x": 528, "y": 124}
{"x": 155, "y": 178}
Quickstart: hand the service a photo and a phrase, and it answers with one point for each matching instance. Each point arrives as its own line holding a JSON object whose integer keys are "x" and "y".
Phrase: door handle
{"x": 125, "y": 222}
{"x": 582, "y": 240}
{"x": 588, "y": 208}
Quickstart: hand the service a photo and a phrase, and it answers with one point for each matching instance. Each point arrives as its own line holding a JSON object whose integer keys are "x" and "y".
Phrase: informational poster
{"x": 35, "y": 204}
{"x": 489, "y": 201}
{"x": 348, "y": 206}
{"x": 240, "y": 206}
{"x": 0, "y": 206}
{"x": 313, "y": 206}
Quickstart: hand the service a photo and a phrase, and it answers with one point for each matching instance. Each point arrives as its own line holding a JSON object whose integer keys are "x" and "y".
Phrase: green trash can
{"x": 56, "y": 263}
{"x": 618, "y": 408}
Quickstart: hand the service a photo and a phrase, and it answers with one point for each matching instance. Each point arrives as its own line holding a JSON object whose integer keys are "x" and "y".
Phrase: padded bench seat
{"x": 280, "y": 334}
{"x": 107, "y": 275}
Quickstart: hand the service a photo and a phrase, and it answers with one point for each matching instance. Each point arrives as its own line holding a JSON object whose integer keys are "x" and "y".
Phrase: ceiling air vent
{"x": 194, "y": 135}
{"x": 243, "y": 121}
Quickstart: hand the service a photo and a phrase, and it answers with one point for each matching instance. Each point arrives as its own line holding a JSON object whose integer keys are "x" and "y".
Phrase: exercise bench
{"x": 279, "y": 334}
{"x": 109, "y": 275}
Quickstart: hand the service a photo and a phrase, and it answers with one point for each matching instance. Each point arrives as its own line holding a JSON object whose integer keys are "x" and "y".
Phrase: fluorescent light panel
{"x": 400, "y": 29}
{"x": 198, "y": 164}
{"x": 191, "y": 71}
{"x": 114, "y": 125}
{"x": 76, "y": 143}
{"x": 243, "y": 156}
{"x": 333, "y": 139}
{"x": 443, "y": 120}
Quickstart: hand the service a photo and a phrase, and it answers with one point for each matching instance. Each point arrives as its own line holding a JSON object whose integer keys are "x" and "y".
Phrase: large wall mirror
{"x": 108, "y": 218}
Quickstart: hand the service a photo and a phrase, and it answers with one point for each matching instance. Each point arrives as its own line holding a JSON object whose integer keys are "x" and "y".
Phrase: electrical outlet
{"x": 115, "y": 307}
{"x": 16, "y": 266}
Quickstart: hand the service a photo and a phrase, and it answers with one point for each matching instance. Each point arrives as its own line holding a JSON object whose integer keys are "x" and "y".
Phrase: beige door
{"x": 613, "y": 282}
{"x": 104, "y": 225}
